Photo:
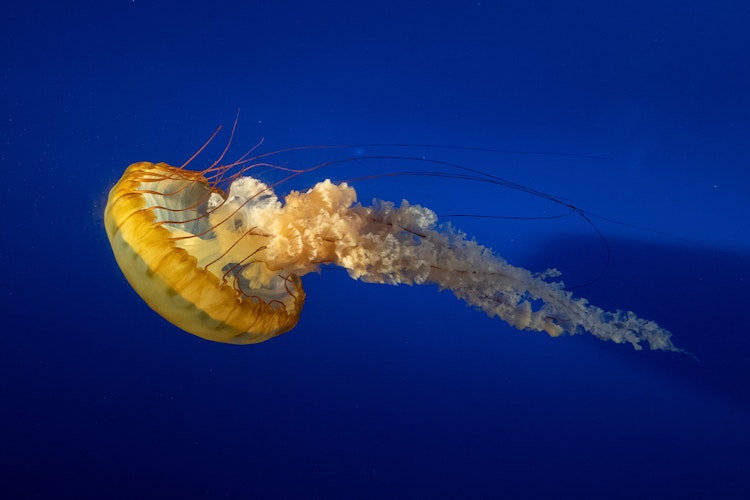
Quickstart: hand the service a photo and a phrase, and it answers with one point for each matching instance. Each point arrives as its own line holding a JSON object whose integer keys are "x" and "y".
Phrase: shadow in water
{"x": 702, "y": 295}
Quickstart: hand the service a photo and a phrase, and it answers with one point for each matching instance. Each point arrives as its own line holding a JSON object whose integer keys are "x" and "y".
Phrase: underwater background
{"x": 636, "y": 112}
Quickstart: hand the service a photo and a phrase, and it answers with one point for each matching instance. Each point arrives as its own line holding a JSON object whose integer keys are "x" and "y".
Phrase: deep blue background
{"x": 384, "y": 391}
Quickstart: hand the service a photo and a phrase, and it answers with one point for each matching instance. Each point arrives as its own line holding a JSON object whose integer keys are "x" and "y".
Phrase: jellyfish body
{"x": 159, "y": 229}
{"x": 226, "y": 266}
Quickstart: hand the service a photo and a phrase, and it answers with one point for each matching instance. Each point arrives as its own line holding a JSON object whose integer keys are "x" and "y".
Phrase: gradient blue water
{"x": 384, "y": 392}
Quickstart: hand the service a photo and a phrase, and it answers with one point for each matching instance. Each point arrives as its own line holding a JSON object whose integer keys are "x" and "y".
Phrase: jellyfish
{"x": 226, "y": 265}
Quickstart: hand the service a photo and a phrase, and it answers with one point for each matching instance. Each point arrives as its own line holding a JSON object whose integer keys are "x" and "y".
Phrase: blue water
{"x": 642, "y": 113}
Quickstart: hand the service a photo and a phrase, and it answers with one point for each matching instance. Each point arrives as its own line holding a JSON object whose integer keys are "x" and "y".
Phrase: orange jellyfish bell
{"x": 178, "y": 245}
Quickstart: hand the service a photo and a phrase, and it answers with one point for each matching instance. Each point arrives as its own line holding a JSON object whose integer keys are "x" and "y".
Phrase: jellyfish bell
{"x": 158, "y": 223}
{"x": 220, "y": 255}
